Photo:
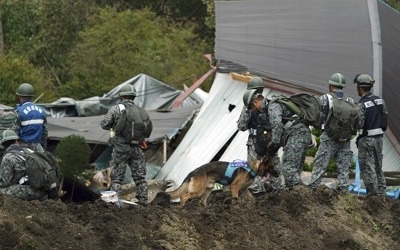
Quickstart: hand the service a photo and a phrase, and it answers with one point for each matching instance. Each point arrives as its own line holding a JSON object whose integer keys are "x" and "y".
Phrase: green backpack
{"x": 306, "y": 107}
{"x": 134, "y": 125}
{"x": 42, "y": 170}
{"x": 342, "y": 120}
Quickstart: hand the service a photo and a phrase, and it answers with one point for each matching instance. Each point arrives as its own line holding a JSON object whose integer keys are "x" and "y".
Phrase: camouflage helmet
{"x": 127, "y": 90}
{"x": 255, "y": 83}
{"x": 338, "y": 80}
{"x": 25, "y": 89}
{"x": 364, "y": 80}
{"x": 248, "y": 97}
{"x": 8, "y": 135}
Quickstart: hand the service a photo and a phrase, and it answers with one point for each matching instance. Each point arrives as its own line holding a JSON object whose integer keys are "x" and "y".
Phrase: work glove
{"x": 273, "y": 147}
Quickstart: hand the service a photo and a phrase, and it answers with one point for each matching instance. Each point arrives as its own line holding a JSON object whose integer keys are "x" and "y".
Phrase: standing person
{"x": 13, "y": 174}
{"x": 30, "y": 120}
{"x": 128, "y": 151}
{"x": 296, "y": 138}
{"x": 330, "y": 147}
{"x": 373, "y": 123}
{"x": 248, "y": 120}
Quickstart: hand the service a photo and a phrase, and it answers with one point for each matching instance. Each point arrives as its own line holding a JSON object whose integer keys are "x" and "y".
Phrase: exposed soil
{"x": 295, "y": 219}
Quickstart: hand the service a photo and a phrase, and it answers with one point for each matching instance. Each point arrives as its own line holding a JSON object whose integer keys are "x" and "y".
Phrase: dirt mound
{"x": 295, "y": 219}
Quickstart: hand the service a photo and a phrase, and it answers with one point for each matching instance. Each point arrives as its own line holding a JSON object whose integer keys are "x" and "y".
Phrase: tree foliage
{"x": 45, "y": 31}
{"x": 55, "y": 36}
{"x": 19, "y": 19}
{"x": 15, "y": 70}
{"x": 118, "y": 45}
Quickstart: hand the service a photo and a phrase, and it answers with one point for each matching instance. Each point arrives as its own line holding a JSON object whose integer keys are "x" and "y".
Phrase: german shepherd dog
{"x": 200, "y": 182}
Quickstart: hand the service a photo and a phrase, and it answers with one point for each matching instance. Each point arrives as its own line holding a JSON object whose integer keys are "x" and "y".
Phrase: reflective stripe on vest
{"x": 29, "y": 122}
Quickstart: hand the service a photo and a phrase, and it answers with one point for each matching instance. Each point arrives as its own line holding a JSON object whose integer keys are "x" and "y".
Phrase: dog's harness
{"x": 232, "y": 167}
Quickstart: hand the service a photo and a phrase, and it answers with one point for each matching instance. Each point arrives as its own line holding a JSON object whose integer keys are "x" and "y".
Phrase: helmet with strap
{"x": 8, "y": 135}
{"x": 338, "y": 80}
{"x": 364, "y": 80}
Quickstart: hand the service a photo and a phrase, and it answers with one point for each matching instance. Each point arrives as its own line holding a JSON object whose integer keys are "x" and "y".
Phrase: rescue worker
{"x": 373, "y": 123}
{"x": 329, "y": 147}
{"x": 13, "y": 180}
{"x": 126, "y": 153}
{"x": 294, "y": 136}
{"x": 254, "y": 101}
{"x": 30, "y": 120}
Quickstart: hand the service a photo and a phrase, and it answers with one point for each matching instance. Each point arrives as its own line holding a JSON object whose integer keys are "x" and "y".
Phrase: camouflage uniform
{"x": 134, "y": 158}
{"x": 248, "y": 121}
{"x": 296, "y": 137}
{"x": 329, "y": 148}
{"x": 12, "y": 171}
{"x": 370, "y": 143}
{"x": 244, "y": 124}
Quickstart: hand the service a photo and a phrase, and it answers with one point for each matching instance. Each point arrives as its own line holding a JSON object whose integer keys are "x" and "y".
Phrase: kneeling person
{"x": 13, "y": 179}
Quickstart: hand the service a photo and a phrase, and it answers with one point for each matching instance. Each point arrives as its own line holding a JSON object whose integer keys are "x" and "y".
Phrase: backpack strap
{"x": 18, "y": 154}
{"x": 330, "y": 100}
{"x": 121, "y": 107}
{"x": 291, "y": 105}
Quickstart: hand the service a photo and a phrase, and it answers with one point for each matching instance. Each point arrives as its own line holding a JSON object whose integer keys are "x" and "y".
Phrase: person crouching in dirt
{"x": 296, "y": 137}
{"x": 127, "y": 152}
{"x": 13, "y": 179}
{"x": 248, "y": 120}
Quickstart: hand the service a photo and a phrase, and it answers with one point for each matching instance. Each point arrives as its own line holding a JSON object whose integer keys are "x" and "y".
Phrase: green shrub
{"x": 312, "y": 151}
{"x": 74, "y": 155}
{"x": 307, "y": 167}
{"x": 316, "y": 132}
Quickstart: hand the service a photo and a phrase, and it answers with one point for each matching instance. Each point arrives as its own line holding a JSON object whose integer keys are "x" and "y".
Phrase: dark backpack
{"x": 42, "y": 170}
{"x": 306, "y": 107}
{"x": 263, "y": 135}
{"x": 342, "y": 120}
{"x": 134, "y": 125}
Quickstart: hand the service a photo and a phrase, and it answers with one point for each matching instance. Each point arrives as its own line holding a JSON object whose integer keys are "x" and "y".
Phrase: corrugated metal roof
{"x": 213, "y": 127}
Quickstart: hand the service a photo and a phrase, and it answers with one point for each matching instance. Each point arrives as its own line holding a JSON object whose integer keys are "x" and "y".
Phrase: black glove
{"x": 273, "y": 147}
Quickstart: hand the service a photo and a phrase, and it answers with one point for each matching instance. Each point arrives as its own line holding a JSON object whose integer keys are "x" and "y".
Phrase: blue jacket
{"x": 33, "y": 120}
